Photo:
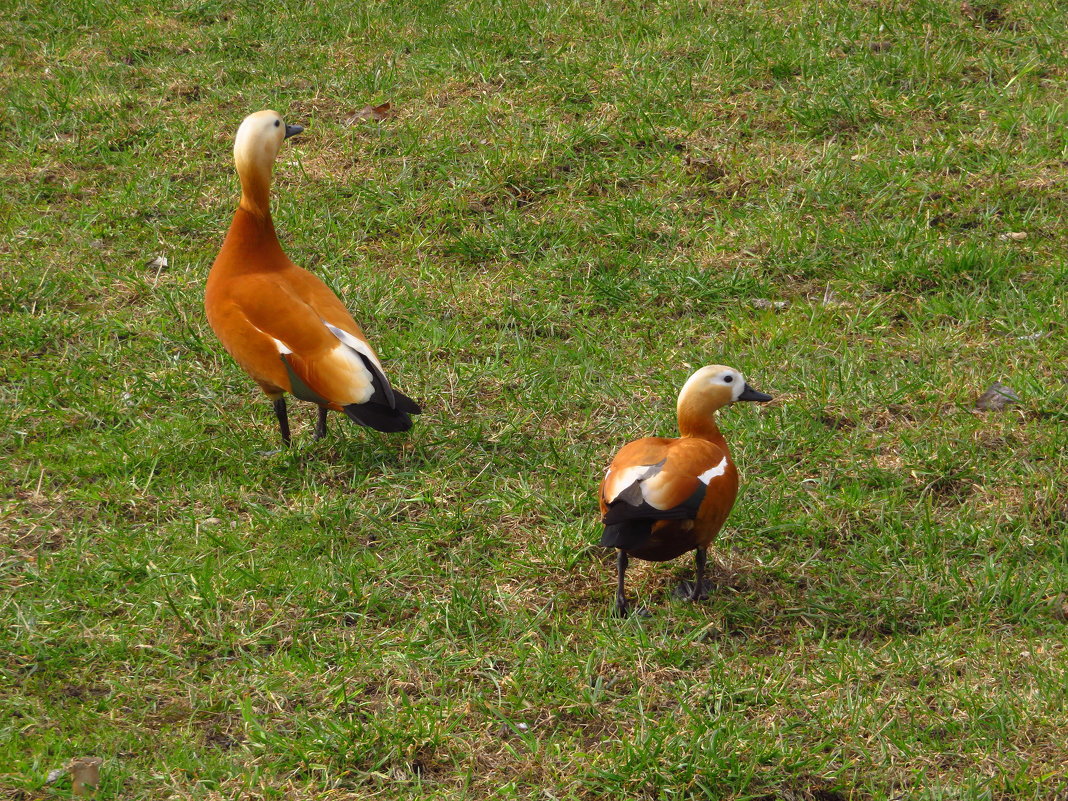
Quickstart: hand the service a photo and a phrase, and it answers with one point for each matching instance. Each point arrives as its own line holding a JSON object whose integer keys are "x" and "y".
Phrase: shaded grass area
{"x": 572, "y": 207}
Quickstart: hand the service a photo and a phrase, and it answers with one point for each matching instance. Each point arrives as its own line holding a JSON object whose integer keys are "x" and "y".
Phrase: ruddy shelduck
{"x": 284, "y": 326}
{"x": 661, "y": 496}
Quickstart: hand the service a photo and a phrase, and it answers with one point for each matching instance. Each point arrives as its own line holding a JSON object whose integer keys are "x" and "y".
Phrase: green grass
{"x": 574, "y": 206}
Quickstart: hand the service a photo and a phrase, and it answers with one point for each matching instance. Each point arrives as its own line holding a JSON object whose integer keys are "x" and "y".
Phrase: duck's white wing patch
{"x": 349, "y": 368}
{"x": 627, "y": 483}
{"x": 380, "y": 389}
{"x": 713, "y": 472}
{"x": 355, "y": 343}
{"x": 282, "y": 347}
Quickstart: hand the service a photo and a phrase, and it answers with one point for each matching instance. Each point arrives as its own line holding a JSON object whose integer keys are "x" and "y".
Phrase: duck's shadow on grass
{"x": 769, "y": 603}
{"x": 363, "y": 452}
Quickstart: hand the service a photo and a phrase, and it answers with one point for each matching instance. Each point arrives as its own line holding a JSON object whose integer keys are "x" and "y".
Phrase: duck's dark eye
{"x": 727, "y": 379}
{"x": 277, "y": 123}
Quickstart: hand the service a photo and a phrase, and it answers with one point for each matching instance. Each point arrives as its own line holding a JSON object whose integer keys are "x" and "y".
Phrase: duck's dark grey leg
{"x": 283, "y": 418}
{"x": 694, "y": 590}
{"x": 320, "y": 424}
{"x": 621, "y": 570}
{"x": 700, "y": 557}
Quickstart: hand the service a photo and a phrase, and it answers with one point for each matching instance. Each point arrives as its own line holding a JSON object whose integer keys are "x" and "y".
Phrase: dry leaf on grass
{"x": 708, "y": 168}
{"x": 373, "y": 113}
{"x": 85, "y": 775}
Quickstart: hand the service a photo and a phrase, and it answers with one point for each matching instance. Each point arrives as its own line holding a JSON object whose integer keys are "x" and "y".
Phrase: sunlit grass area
{"x": 568, "y": 209}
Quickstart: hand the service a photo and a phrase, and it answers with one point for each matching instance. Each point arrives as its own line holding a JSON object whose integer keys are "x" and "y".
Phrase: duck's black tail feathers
{"x": 382, "y": 417}
{"x": 628, "y": 534}
{"x": 628, "y": 523}
{"x": 405, "y": 404}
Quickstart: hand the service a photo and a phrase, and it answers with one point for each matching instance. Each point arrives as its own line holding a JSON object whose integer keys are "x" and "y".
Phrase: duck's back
{"x": 662, "y": 497}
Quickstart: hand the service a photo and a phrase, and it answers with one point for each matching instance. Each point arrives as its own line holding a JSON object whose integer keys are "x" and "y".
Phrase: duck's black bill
{"x": 293, "y": 130}
{"x": 750, "y": 394}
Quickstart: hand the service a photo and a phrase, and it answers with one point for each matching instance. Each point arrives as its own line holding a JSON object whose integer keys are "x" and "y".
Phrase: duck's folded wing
{"x": 384, "y": 393}
{"x": 336, "y": 317}
{"x": 651, "y": 492}
{"x": 671, "y": 489}
{"x": 654, "y": 480}
{"x": 382, "y": 390}
{"x": 323, "y": 363}
{"x": 635, "y": 497}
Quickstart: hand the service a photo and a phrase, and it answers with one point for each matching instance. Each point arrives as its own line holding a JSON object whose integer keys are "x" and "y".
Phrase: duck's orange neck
{"x": 256, "y": 191}
{"x": 699, "y": 422}
{"x": 251, "y": 243}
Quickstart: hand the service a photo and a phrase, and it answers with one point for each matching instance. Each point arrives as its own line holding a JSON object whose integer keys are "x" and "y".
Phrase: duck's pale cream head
{"x": 714, "y": 387}
{"x": 255, "y": 148}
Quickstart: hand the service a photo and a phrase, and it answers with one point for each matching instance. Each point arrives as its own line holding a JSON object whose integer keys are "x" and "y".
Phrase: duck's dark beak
{"x": 293, "y": 130}
{"x": 750, "y": 394}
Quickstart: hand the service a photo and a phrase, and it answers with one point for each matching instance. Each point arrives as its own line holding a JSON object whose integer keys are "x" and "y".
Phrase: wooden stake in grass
{"x": 85, "y": 775}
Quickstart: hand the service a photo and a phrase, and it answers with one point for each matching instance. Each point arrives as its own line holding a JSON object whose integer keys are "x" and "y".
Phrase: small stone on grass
{"x": 774, "y": 305}
{"x": 996, "y": 398}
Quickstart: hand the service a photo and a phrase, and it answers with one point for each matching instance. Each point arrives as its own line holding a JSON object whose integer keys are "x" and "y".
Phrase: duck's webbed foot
{"x": 695, "y": 590}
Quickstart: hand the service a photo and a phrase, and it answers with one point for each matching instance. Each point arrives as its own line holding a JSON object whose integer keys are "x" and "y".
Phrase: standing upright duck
{"x": 662, "y": 497}
{"x": 284, "y": 326}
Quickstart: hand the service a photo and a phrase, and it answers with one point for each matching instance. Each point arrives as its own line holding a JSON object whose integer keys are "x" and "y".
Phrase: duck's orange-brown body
{"x": 684, "y": 461}
{"x": 662, "y": 497}
{"x": 283, "y": 325}
{"x": 256, "y": 297}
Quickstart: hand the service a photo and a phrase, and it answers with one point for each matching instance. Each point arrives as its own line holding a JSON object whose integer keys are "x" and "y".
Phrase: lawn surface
{"x": 570, "y": 207}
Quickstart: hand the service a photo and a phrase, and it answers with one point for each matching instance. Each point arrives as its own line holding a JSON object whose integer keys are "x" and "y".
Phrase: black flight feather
{"x": 620, "y": 511}
{"x": 378, "y": 417}
{"x": 628, "y": 534}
